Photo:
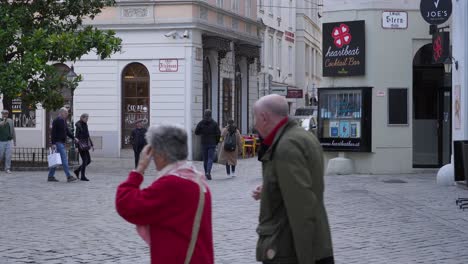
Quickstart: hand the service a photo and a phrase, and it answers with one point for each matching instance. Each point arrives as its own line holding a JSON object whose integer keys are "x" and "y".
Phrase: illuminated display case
{"x": 344, "y": 118}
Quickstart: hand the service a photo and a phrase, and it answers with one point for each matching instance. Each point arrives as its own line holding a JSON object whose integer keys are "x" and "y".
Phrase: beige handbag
{"x": 196, "y": 223}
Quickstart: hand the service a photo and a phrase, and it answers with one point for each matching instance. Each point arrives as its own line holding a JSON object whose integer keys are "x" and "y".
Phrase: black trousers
{"x": 85, "y": 161}
{"x": 137, "y": 150}
{"x": 327, "y": 260}
{"x": 229, "y": 168}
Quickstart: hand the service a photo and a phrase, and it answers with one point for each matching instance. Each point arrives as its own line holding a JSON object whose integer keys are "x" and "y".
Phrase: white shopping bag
{"x": 54, "y": 159}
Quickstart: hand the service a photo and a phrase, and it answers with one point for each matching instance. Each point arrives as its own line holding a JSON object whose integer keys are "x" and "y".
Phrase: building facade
{"x": 278, "y": 68}
{"x": 384, "y": 106}
{"x": 308, "y": 48}
{"x": 178, "y": 58}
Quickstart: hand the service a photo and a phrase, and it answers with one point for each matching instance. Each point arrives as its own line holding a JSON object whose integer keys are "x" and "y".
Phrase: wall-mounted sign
{"x": 436, "y": 12}
{"x": 344, "y": 48}
{"x": 289, "y": 36}
{"x": 22, "y": 115}
{"x": 395, "y": 19}
{"x": 168, "y": 65}
{"x": 294, "y": 93}
{"x": 440, "y": 47}
{"x": 279, "y": 90}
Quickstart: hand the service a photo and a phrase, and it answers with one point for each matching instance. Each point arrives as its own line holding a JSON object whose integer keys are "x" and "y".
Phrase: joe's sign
{"x": 343, "y": 48}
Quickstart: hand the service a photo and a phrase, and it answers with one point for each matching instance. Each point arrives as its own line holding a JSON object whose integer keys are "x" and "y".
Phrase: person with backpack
{"x": 230, "y": 147}
{"x": 209, "y": 132}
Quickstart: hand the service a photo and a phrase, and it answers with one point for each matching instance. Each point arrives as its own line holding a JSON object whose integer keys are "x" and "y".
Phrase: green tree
{"x": 34, "y": 34}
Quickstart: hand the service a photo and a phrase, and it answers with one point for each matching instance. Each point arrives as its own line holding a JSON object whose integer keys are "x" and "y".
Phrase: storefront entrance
{"x": 135, "y": 99}
{"x": 431, "y": 112}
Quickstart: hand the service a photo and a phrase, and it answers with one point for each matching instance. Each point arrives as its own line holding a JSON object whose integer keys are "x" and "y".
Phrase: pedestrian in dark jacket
{"x": 58, "y": 137}
{"x": 85, "y": 144}
{"x": 293, "y": 224}
{"x": 210, "y": 133}
{"x": 137, "y": 139}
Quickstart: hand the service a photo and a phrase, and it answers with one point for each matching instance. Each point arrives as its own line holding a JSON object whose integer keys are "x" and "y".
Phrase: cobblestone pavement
{"x": 414, "y": 221}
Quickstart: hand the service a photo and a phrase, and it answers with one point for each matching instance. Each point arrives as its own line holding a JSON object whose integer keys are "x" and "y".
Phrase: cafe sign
{"x": 344, "y": 48}
{"x": 394, "y": 20}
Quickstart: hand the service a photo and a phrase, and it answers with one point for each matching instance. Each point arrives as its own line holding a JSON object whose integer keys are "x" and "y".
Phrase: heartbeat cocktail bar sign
{"x": 344, "y": 48}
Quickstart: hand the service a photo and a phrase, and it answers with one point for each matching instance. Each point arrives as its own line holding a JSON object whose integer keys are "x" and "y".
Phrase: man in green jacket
{"x": 7, "y": 139}
{"x": 293, "y": 224}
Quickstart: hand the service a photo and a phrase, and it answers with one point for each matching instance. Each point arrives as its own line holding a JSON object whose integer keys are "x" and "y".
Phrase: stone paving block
{"x": 371, "y": 221}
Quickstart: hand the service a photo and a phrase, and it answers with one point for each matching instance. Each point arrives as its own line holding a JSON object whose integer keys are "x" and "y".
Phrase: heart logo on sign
{"x": 341, "y": 35}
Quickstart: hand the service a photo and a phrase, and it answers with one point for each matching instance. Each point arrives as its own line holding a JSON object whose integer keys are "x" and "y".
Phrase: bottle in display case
{"x": 344, "y": 119}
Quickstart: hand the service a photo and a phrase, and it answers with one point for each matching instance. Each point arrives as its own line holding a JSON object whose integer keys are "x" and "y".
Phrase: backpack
{"x": 230, "y": 142}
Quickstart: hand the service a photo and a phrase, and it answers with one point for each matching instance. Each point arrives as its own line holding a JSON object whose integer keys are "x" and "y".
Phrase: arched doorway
{"x": 238, "y": 98}
{"x": 135, "y": 99}
{"x": 67, "y": 97}
{"x": 207, "y": 101}
{"x": 431, "y": 112}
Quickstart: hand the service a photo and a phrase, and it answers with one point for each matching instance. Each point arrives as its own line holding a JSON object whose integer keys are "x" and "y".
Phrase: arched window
{"x": 135, "y": 99}
{"x": 206, "y": 84}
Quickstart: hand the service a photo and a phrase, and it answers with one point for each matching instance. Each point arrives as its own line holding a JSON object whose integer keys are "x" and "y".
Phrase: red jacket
{"x": 168, "y": 206}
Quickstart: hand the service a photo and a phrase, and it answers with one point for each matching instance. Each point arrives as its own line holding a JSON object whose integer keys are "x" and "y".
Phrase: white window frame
{"x": 291, "y": 14}
{"x": 290, "y": 60}
{"x": 307, "y": 60}
{"x": 278, "y": 53}
{"x": 235, "y": 6}
{"x": 248, "y": 8}
{"x": 220, "y": 19}
{"x": 270, "y": 51}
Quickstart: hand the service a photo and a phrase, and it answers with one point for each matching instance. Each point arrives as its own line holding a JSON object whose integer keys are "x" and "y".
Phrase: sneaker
{"x": 233, "y": 174}
{"x": 77, "y": 173}
{"x": 71, "y": 179}
{"x": 52, "y": 179}
{"x": 8, "y": 171}
{"x": 208, "y": 176}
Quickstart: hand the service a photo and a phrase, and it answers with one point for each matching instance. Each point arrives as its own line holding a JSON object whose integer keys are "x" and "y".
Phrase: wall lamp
{"x": 448, "y": 64}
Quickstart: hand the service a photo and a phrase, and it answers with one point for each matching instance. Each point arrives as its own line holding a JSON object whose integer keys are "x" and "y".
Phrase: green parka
{"x": 293, "y": 223}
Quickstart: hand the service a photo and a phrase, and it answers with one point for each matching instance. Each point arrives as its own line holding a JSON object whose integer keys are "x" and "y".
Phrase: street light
{"x": 71, "y": 76}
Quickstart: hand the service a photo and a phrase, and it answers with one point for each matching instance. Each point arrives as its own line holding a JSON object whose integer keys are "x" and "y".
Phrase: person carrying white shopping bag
{"x": 58, "y": 138}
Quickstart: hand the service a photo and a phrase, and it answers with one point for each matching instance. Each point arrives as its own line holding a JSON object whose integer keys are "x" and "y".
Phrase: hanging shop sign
{"x": 294, "y": 93}
{"x": 436, "y": 12}
{"x": 440, "y": 47}
{"x": 289, "y": 36}
{"x": 395, "y": 20}
{"x": 344, "y": 48}
{"x": 168, "y": 65}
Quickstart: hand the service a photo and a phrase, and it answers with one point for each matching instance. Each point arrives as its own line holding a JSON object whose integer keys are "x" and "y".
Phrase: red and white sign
{"x": 289, "y": 36}
{"x": 168, "y": 65}
{"x": 294, "y": 93}
{"x": 341, "y": 36}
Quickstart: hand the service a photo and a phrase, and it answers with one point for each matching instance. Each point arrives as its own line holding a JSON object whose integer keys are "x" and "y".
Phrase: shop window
{"x": 397, "y": 106}
{"x": 135, "y": 99}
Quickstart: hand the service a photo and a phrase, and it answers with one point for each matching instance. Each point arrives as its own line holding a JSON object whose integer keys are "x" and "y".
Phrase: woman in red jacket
{"x": 173, "y": 215}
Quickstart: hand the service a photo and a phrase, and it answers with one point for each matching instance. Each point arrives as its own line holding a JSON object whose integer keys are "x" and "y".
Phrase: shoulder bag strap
{"x": 196, "y": 223}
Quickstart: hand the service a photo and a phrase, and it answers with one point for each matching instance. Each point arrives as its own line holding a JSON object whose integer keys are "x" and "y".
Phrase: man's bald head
{"x": 268, "y": 112}
{"x": 274, "y": 104}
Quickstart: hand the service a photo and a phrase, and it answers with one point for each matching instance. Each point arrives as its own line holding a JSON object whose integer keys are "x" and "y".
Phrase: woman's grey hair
{"x": 63, "y": 110}
{"x": 168, "y": 141}
{"x": 84, "y": 115}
